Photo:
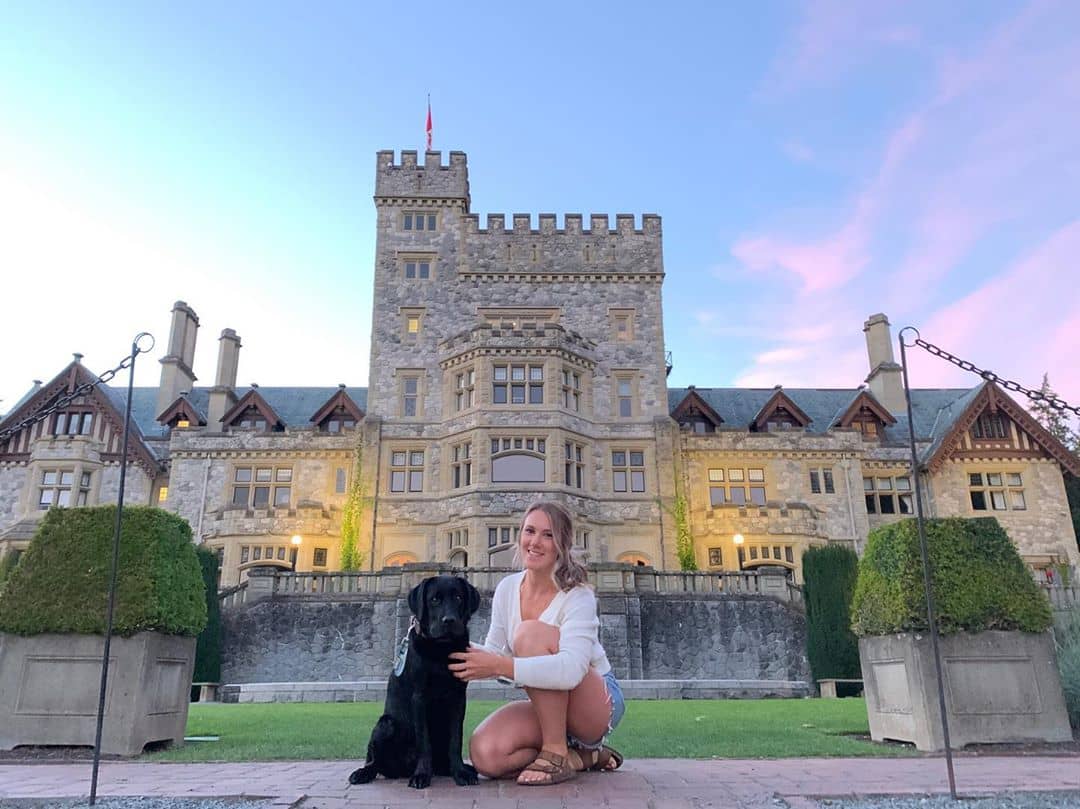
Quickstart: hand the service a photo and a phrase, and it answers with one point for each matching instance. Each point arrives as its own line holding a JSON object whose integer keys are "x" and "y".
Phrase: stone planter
{"x": 49, "y": 686}
{"x": 999, "y": 687}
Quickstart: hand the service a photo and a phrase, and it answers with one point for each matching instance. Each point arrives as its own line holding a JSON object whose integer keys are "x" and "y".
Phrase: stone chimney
{"x": 886, "y": 378}
{"x": 223, "y": 394}
{"x": 176, "y": 365}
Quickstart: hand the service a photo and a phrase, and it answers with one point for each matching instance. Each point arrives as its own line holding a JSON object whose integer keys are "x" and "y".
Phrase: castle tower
{"x": 510, "y": 364}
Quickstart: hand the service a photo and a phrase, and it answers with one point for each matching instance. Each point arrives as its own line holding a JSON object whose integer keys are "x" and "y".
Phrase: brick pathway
{"x": 640, "y": 784}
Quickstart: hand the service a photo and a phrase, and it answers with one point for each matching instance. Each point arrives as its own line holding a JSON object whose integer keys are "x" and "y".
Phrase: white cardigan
{"x": 573, "y": 612}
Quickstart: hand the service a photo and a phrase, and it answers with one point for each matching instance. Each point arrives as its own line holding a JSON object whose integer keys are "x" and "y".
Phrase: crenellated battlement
{"x": 547, "y": 248}
{"x": 428, "y": 180}
{"x": 521, "y": 224}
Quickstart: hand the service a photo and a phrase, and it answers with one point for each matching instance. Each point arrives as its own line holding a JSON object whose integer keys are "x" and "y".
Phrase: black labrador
{"x": 420, "y": 731}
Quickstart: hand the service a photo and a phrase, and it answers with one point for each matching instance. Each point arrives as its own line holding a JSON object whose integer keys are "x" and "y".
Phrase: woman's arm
{"x": 496, "y": 640}
{"x": 578, "y": 635}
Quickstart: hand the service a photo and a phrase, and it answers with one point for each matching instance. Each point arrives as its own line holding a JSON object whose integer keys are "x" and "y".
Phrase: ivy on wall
{"x": 356, "y": 503}
{"x": 684, "y": 540}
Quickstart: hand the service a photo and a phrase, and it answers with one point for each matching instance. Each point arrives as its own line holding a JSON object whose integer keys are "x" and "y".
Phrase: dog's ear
{"x": 472, "y": 596}
{"x": 418, "y": 602}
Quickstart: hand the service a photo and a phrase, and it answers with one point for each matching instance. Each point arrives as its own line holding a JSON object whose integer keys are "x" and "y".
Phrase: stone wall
{"x": 654, "y": 636}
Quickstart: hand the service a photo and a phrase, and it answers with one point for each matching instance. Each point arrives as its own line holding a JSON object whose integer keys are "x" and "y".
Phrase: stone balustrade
{"x": 610, "y": 578}
{"x": 1063, "y": 597}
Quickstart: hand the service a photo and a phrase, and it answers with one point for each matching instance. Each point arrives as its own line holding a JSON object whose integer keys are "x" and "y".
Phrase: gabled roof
{"x": 691, "y": 405}
{"x": 863, "y": 398}
{"x": 75, "y": 375}
{"x": 988, "y": 396}
{"x": 339, "y": 399}
{"x": 779, "y": 400}
{"x": 252, "y": 399}
{"x": 184, "y": 409}
{"x": 933, "y": 408}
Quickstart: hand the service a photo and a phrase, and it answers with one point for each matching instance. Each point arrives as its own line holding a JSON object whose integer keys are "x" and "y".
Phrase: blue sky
{"x": 813, "y": 163}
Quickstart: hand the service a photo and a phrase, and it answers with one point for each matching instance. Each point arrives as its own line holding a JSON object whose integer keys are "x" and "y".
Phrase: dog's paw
{"x": 363, "y": 775}
{"x": 466, "y": 776}
{"x": 420, "y": 780}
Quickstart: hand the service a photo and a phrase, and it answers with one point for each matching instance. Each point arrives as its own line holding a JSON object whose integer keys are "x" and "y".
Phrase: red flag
{"x": 428, "y": 128}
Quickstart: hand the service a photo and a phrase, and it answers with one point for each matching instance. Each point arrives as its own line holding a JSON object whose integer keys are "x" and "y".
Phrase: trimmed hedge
{"x": 62, "y": 580}
{"x": 7, "y": 565}
{"x": 829, "y": 575}
{"x": 208, "y": 647}
{"x": 979, "y": 580}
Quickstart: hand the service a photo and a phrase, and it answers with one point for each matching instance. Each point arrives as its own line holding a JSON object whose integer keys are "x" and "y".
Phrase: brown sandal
{"x": 557, "y": 769}
{"x": 600, "y": 760}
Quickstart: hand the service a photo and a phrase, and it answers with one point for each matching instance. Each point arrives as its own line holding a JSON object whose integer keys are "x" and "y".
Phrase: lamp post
{"x": 738, "y": 540}
{"x": 296, "y": 540}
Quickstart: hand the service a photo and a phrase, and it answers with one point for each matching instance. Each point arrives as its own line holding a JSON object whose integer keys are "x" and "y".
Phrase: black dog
{"x": 420, "y": 731}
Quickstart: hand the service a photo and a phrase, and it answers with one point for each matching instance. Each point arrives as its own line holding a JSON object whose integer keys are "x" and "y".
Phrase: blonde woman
{"x": 544, "y": 636}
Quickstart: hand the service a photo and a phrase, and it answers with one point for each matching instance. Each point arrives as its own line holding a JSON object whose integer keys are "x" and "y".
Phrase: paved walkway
{"x": 640, "y": 784}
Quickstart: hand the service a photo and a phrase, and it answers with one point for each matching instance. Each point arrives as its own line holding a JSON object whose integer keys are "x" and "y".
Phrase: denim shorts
{"x": 618, "y": 708}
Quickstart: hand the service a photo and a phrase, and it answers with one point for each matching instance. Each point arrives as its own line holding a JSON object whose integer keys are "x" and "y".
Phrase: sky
{"x": 813, "y": 162}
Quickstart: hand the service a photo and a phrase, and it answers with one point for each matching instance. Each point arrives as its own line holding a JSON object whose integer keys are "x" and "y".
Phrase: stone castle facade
{"x": 514, "y": 362}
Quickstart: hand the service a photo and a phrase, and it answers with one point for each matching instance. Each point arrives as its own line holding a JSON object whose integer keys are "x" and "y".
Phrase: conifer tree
{"x": 1055, "y": 421}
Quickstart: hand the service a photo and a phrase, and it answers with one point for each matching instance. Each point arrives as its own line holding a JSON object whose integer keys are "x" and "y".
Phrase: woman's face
{"x": 537, "y": 543}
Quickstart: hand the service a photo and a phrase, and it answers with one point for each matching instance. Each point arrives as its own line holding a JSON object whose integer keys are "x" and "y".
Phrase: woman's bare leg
{"x": 511, "y": 737}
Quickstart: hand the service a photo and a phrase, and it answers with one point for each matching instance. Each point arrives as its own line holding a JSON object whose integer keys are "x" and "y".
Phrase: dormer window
{"x": 250, "y": 419}
{"x": 73, "y": 423}
{"x": 990, "y": 427}
{"x": 337, "y": 422}
{"x": 338, "y": 414}
{"x": 782, "y": 419}
{"x": 780, "y": 413}
{"x": 867, "y": 415}
{"x": 869, "y": 429}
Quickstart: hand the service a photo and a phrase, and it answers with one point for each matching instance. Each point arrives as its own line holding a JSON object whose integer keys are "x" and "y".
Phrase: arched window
{"x": 634, "y": 558}
{"x": 399, "y": 559}
{"x": 459, "y": 558}
{"x": 518, "y": 459}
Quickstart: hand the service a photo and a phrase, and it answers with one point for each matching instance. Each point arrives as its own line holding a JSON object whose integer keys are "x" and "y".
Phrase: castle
{"x": 510, "y": 363}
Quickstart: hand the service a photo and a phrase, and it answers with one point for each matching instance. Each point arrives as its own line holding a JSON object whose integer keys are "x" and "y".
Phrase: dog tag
{"x": 402, "y": 654}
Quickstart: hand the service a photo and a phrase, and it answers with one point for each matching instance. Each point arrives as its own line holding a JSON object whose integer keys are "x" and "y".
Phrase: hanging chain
{"x": 64, "y": 400}
{"x": 1034, "y": 395}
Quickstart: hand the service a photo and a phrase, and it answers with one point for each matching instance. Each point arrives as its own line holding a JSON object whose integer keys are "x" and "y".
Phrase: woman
{"x": 544, "y": 636}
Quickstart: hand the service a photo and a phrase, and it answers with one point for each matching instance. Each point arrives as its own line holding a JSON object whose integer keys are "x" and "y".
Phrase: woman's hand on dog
{"x": 477, "y": 664}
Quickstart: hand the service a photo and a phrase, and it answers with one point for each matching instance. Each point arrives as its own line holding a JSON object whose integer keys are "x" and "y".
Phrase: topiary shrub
{"x": 61, "y": 583}
{"x": 7, "y": 565}
{"x": 979, "y": 580}
{"x": 208, "y": 647}
{"x": 829, "y": 575}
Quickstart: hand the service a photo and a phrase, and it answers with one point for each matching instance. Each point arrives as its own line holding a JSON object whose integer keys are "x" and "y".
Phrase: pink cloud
{"x": 820, "y": 265}
{"x": 1020, "y": 324}
{"x": 820, "y": 367}
{"x": 836, "y": 35}
{"x": 833, "y": 260}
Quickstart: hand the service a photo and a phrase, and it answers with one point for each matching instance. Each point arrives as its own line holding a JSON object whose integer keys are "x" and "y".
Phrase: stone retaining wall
{"x": 685, "y": 637}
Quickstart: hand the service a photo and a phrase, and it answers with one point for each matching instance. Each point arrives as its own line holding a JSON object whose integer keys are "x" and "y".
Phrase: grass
{"x": 781, "y": 728}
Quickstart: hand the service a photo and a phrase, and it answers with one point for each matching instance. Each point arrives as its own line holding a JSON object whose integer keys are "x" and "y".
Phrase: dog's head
{"x": 443, "y": 605}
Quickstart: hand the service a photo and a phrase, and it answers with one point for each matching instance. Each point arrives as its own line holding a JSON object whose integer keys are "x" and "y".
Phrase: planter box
{"x": 999, "y": 687}
{"x": 49, "y": 688}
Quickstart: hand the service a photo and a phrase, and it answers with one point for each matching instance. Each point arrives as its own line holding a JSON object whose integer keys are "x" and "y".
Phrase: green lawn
{"x": 777, "y": 728}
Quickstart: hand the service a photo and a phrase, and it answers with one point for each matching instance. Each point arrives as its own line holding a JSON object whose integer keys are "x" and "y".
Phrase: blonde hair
{"x": 569, "y": 572}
